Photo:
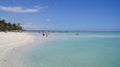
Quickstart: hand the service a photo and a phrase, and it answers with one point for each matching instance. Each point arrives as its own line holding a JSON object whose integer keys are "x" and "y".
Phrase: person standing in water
{"x": 43, "y": 34}
{"x": 46, "y": 34}
{"x": 77, "y": 34}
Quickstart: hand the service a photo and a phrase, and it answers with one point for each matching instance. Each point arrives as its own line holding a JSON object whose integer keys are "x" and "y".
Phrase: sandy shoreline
{"x": 11, "y": 43}
{"x": 12, "y": 40}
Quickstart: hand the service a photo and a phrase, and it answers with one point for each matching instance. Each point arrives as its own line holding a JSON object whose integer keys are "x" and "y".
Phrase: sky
{"x": 85, "y": 15}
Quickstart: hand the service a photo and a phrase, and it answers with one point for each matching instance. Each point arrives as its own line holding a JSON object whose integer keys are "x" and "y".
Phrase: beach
{"x": 87, "y": 49}
{"x": 10, "y": 41}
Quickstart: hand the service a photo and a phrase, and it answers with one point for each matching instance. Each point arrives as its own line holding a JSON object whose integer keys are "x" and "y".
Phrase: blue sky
{"x": 92, "y": 15}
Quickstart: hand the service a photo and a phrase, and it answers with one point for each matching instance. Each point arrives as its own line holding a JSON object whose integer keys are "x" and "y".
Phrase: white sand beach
{"x": 11, "y": 40}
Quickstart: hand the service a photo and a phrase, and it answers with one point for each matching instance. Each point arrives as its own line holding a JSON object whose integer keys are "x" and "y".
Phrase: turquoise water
{"x": 88, "y": 49}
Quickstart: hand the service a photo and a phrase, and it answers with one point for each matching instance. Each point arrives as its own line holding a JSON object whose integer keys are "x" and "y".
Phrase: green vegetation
{"x": 7, "y": 26}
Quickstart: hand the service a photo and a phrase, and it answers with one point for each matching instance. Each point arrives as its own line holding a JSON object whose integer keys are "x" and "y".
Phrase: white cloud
{"x": 21, "y": 9}
{"x": 30, "y": 25}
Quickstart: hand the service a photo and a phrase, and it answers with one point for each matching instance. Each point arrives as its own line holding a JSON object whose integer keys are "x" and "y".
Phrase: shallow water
{"x": 88, "y": 49}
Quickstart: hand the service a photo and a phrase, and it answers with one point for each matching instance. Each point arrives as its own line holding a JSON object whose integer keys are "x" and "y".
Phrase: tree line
{"x": 8, "y": 26}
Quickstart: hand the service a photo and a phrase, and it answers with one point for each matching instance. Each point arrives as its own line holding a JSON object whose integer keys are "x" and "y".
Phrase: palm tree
{"x": 4, "y": 26}
{"x": 10, "y": 26}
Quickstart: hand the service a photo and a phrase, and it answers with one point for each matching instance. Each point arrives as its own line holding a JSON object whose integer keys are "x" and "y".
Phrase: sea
{"x": 76, "y": 49}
